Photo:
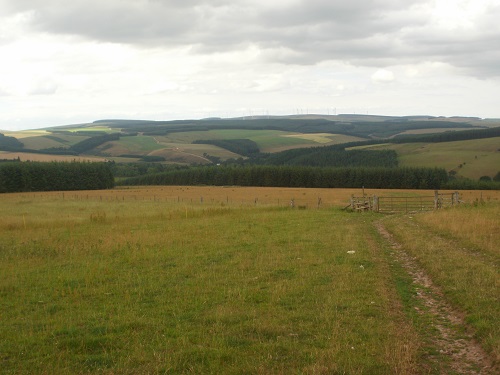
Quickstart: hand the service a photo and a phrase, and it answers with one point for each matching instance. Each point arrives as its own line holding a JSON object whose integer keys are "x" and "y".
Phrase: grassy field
{"x": 38, "y": 143}
{"x": 131, "y": 145}
{"x": 89, "y": 128}
{"x": 26, "y": 133}
{"x": 222, "y": 280}
{"x": 430, "y": 131}
{"x": 25, "y": 156}
{"x": 472, "y": 159}
{"x": 267, "y": 140}
{"x": 184, "y": 150}
{"x": 178, "y": 147}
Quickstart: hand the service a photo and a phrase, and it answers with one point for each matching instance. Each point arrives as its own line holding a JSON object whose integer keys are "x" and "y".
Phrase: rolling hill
{"x": 208, "y": 141}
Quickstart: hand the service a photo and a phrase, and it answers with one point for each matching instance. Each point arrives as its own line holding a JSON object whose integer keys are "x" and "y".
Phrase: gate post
{"x": 436, "y": 199}
{"x": 375, "y": 203}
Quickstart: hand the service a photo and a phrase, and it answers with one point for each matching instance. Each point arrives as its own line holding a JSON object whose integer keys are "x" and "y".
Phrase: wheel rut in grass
{"x": 450, "y": 334}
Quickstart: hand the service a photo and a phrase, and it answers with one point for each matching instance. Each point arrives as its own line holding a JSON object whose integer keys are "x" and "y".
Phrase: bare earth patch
{"x": 453, "y": 338}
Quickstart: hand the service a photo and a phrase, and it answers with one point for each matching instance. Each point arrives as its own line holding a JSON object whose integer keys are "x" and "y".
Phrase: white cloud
{"x": 383, "y": 76}
{"x": 173, "y": 58}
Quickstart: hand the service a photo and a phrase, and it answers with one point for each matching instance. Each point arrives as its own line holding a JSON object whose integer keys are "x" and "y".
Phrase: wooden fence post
{"x": 375, "y": 203}
{"x": 436, "y": 199}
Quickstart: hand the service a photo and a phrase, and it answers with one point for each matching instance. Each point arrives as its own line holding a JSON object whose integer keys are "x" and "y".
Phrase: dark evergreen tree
{"x": 36, "y": 176}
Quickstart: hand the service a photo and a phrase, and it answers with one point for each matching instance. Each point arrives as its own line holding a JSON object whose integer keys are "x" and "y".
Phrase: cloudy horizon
{"x": 80, "y": 61}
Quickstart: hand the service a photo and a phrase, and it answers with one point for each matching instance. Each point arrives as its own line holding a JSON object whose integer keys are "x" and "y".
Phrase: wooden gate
{"x": 394, "y": 204}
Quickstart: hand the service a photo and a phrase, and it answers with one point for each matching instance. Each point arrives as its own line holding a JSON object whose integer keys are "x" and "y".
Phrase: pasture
{"x": 130, "y": 145}
{"x": 26, "y": 156}
{"x": 233, "y": 280}
{"x": 267, "y": 140}
{"x": 471, "y": 159}
{"x": 177, "y": 147}
{"x": 86, "y": 128}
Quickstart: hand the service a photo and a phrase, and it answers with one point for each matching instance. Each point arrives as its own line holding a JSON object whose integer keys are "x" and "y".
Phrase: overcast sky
{"x": 75, "y": 61}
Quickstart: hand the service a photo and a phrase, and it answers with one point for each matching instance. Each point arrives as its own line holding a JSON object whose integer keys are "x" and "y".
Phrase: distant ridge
{"x": 312, "y": 116}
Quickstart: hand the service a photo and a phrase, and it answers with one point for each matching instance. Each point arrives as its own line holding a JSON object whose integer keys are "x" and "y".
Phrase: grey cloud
{"x": 360, "y": 32}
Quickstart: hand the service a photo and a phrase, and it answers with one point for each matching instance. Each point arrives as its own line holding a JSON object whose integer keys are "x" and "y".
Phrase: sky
{"x": 66, "y": 62}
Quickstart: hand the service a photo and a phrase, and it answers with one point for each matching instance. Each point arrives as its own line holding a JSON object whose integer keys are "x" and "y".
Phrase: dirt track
{"x": 452, "y": 338}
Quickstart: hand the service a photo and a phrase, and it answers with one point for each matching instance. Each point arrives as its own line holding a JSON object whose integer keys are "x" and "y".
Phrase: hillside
{"x": 471, "y": 158}
{"x": 209, "y": 141}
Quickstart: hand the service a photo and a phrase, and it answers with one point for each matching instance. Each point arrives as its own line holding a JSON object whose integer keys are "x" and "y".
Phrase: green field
{"x": 472, "y": 159}
{"x": 38, "y": 143}
{"x": 179, "y": 146}
{"x": 131, "y": 145}
{"x": 267, "y": 140}
{"x": 49, "y": 141}
{"x": 90, "y": 128}
{"x": 142, "y": 281}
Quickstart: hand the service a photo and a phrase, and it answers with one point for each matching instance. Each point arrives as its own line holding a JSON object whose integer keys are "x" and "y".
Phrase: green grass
{"x": 145, "y": 286}
{"x": 91, "y": 128}
{"x": 45, "y": 140}
{"x": 133, "y": 145}
{"x": 148, "y": 287}
{"x": 274, "y": 140}
{"x": 459, "y": 248}
{"x": 40, "y": 142}
{"x": 267, "y": 140}
{"x": 472, "y": 159}
{"x": 197, "y": 149}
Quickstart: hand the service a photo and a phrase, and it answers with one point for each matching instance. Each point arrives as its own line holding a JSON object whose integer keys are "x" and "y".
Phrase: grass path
{"x": 449, "y": 342}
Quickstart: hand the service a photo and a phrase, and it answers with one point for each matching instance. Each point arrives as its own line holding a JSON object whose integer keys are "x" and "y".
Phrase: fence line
{"x": 316, "y": 202}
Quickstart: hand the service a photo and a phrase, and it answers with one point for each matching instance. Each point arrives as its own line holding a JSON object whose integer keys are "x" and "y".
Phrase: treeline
{"x": 37, "y": 176}
{"x": 123, "y": 170}
{"x": 468, "y": 184}
{"x": 244, "y": 147}
{"x": 296, "y": 176}
{"x": 332, "y": 156}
